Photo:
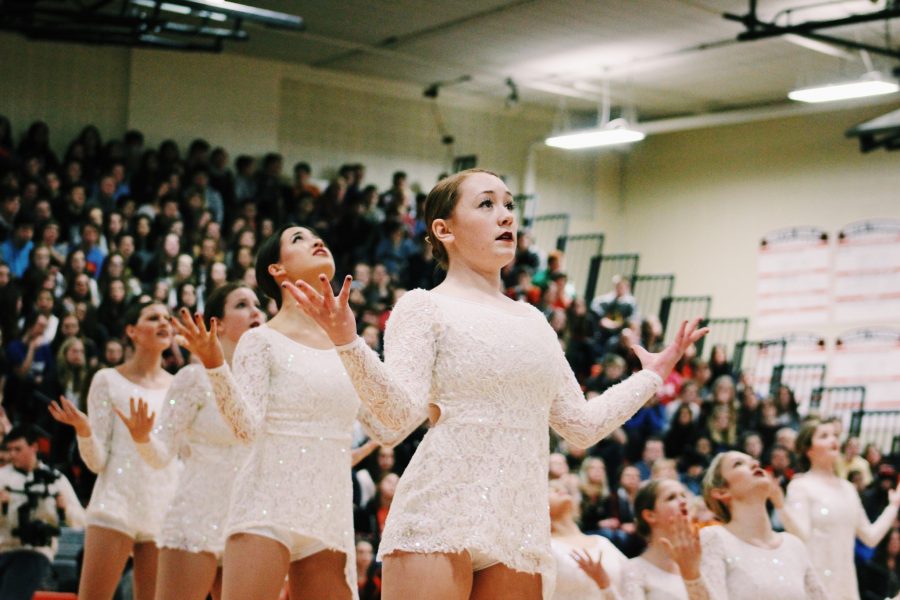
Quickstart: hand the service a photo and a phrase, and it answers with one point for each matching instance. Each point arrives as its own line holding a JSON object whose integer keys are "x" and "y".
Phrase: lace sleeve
{"x": 815, "y": 590}
{"x": 868, "y": 533}
{"x": 175, "y": 419}
{"x": 795, "y": 513}
{"x": 713, "y": 581}
{"x": 242, "y": 395}
{"x": 584, "y": 423}
{"x": 397, "y": 390}
{"x": 94, "y": 450}
{"x": 377, "y": 431}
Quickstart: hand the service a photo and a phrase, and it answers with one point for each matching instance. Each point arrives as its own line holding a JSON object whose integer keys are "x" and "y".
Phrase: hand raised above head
{"x": 332, "y": 313}
{"x": 139, "y": 422}
{"x": 193, "y": 335}
{"x": 664, "y": 361}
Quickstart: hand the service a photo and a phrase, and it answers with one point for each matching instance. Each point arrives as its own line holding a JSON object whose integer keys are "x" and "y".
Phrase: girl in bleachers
{"x": 129, "y": 498}
{"x": 825, "y": 511}
{"x": 470, "y": 512}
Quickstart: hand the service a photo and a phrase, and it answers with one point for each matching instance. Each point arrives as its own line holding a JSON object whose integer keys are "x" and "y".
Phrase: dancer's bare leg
{"x": 449, "y": 576}
{"x": 319, "y": 576}
{"x": 185, "y": 575}
{"x": 105, "y": 553}
{"x": 216, "y": 591}
{"x": 255, "y": 567}
{"x": 499, "y": 581}
{"x": 146, "y": 560}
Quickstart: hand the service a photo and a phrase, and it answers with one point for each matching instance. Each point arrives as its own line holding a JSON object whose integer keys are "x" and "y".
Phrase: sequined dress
{"x": 129, "y": 496}
{"x": 828, "y": 514}
{"x": 645, "y": 581}
{"x": 191, "y": 426}
{"x": 732, "y": 569}
{"x": 295, "y": 406}
{"x": 478, "y": 480}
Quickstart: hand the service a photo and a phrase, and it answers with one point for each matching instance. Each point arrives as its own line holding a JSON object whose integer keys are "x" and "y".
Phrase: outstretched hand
{"x": 332, "y": 313}
{"x": 67, "y": 413}
{"x": 139, "y": 422}
{"x": 592, "y": 568}
{"x": 202, "y": 343}
{"x": 683, "y": 546}
{"x": 663, "y": 362}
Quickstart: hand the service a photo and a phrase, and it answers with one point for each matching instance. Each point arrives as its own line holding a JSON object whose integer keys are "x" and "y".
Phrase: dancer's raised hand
{"x": 67, "y": 413}
{"x": 683, "y": 546}
{"x": 332, "y": 313}
{"x": 139, "y": 422}
{"x": 663, "y": 362}
{"x": 592, "y": 568}
{"x": 202, "y": 343}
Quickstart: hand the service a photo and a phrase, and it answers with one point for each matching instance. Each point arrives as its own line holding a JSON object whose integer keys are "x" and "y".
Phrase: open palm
{"x": 664, "y": 361}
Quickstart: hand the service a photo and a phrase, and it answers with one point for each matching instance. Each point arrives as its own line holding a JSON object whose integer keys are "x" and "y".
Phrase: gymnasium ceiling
{"x": 659, "y": 58}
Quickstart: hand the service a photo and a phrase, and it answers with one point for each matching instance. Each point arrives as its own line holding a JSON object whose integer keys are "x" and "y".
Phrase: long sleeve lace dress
{"x": 129, "y": 495}
{"x": 295, "y": 406}
{"x": 827, "y": 514}
{"x": 645, "y": 581}
{"x": 191, "y": 426}
{"x": 572, "y": 583}
{"x": 478, "y": 481}
{"x": 732, "y": 569}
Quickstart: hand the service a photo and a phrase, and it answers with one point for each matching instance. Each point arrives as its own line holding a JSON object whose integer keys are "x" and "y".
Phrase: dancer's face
{"x": 152, "y": 330}
{"x": 671, "y": 503}
{"x": 560, "y": 500}
{"x": 303, "y": 256}
{"x": 241, "y": 313}
{"x": 743, "y": 474}
{"x": 481, "y": 231}
{"x": 825, "y": 446}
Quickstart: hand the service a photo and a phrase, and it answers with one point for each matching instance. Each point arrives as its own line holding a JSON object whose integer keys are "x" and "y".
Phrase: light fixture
{"x": 613, "y": 133}
{"x": 872, "y": 84}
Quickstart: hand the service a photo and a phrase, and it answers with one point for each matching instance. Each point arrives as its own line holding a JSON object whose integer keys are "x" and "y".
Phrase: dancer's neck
{"x": 465, "y": 281}
{"x": 750, "y": 522}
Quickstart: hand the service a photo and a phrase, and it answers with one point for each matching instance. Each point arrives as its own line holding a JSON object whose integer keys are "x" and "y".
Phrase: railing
{"x": 756, "y": 359}
{"x": 580, "y": 249}
{"x": 547, "y": 229}
{"x": 879, "y": 427}
{"x": 725, "y": 332}
{"x": 838, "y": 401}
{"x": 649, "y": 291}
{"x": 602, "y": 270}
{"x": 802, "y": 379}
{"x": 675, "y": 309}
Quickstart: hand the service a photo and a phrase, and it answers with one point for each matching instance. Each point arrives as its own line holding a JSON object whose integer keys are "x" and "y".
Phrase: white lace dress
{"x": 191, "y": 426}
{"x": 478, "y": 480}
{"x": 573, "y": 584}
{"x": 129, "y": 495}
{"x": 295, "y": 406}
{"x": 827, "y": 514}
{"x": 735, "y": 570}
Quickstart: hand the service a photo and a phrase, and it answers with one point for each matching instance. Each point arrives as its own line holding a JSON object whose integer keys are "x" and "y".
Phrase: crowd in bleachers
{"x": 85, "y": 235}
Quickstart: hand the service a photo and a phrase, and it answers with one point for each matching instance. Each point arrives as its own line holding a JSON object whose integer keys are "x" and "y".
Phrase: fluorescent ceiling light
{"x": 845, "y": 91}
{"x": 592, "y": 138}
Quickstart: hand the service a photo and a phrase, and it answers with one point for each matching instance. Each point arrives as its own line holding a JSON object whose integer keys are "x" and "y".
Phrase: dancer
{"x": 825, "y": 511}
{"x": 671, "y": 563}
{"x": 129, "y": 498}
{"x": 744, "y": 559}
{"x": 489, "y": 373}
{"x": 588, "y": 566}
{"x": 289, "y": 397}
{"x": 192, "y": 540}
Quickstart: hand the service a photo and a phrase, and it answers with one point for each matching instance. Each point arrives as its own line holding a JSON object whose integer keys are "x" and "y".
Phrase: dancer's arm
{"x": 794, "y": 510}
{"x": 93, "y": 445}
{"x": 584, "y": 423}
{"x": 683, "y": 547}
{"x": 713, "y": 581}
{"x": 595, "y": 571}
{"x": 871, "y": 534}
{"x": 241, "y": 394}
{"x": 396, "y": 391}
